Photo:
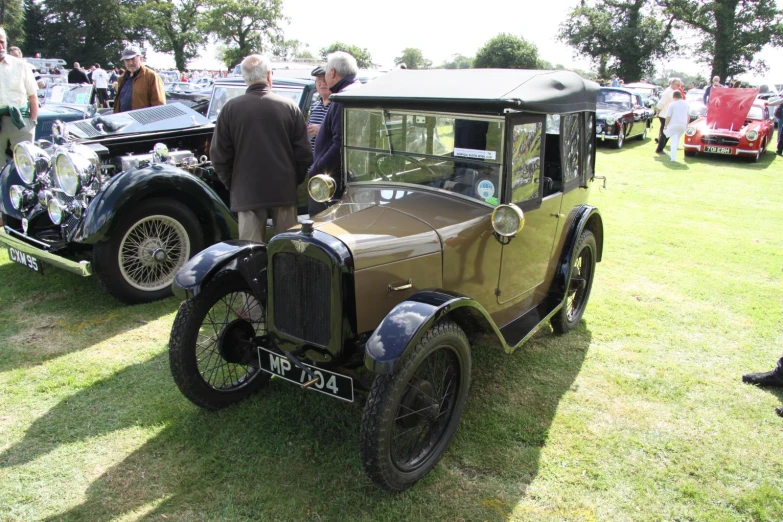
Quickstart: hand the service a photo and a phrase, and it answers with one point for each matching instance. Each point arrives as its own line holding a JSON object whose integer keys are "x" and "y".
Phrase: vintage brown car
{"x": 465, "y": 212}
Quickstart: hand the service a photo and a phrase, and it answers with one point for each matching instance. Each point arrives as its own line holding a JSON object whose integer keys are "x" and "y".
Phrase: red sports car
{"x": 737, "y": 124}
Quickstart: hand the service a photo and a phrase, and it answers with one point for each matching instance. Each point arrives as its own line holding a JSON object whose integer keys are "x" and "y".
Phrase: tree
{"x": 287, "y": 50}
{"x": 620, "y": 36}
{"x": 733, "y": 31}
{"x": 12, "y": 19}
{"x": 176, "y": 26}
{"x": 33, "y": 25}
{"x": 244, "y": 26}
{"x": 89, "y": 32}
{"x": 458, "y": 62}
{"x": 363, "y": 58}
{"x": 413, "y": 59}
{"x": 506, "y": 51}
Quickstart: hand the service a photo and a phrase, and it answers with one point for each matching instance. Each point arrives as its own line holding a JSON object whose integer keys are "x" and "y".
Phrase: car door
{"x": 525, "y": 258}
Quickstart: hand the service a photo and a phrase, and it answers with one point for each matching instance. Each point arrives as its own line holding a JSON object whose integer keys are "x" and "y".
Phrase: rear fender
{"x": 406, "y": 324}
{"x": 587, "y": 218}
{"x": 248, "y": 258}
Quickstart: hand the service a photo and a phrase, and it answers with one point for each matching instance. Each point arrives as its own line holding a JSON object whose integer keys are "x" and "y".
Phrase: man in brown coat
{"x": 139, "y": 87}
{"x": 261, "y": 152}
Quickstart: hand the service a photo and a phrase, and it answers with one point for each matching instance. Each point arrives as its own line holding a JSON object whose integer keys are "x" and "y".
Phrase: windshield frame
{"x": 499, "y": 162}
{"x": 282, "y": 89}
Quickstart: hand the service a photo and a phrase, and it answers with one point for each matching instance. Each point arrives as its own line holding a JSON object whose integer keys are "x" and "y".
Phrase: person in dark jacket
{"x": 341, "y": 71}
{"x": 261, "y": 152}
{"x": 77, "y": 74}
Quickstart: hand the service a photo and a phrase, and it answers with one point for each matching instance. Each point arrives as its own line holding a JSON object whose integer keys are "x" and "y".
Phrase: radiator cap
{"x": 307, "y": 227}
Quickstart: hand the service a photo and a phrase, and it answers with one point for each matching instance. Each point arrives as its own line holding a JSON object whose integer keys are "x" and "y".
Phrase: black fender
{"x": 586, "y": 218}
{"x": 133, "y": 186}
{"x": 8, "y": 177}
{"x": 403, "y": 327}
{"x": 248, "y": 258}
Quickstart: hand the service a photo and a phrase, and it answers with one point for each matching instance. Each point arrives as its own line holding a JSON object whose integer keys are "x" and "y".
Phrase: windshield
{"x": 695, "y": 95}
{"x": 458, "y": 154}
{"x": 68, "y": 93}
{"x": 222, "y": 93}
{"x": 755, "y": 113}
{"x": 615, "y": 99}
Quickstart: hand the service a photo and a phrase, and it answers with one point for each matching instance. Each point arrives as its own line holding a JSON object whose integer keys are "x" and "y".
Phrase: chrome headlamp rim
{"x": 16, "y": 195}
{"x": 690, "y": 131}
{"x": 30, "y": 161}
{"x": 56, "y": 211}
{"x": 609, "y": 120}
{"x": 752, "y": 135}
{"x": 320, "y": 183}
{"x": 515, "y": 212}
{"x": 75, "y": 167}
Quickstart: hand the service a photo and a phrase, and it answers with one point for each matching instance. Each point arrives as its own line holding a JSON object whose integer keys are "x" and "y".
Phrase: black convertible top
{"x": 476, "y": 90}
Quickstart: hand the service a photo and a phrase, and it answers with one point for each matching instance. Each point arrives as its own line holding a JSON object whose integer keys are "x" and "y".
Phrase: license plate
{"x": 717, "y": 150}
{"x": 329, "y": 383}
{"x": 25, "y": 260}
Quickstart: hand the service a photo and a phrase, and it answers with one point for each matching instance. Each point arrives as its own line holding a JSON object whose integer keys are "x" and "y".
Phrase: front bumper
{"x": 11, "y": 238}
{"x": 735, "y": 151}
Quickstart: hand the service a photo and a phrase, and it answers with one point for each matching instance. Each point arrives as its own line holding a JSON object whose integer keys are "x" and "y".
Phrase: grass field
{"x": 639, "y": 415}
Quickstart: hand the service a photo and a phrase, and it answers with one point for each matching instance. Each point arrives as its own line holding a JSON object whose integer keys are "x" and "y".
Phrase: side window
{"x": 589, "y": 154}
{"x": 526, "y": 161}
{"x": 571, "y": 142}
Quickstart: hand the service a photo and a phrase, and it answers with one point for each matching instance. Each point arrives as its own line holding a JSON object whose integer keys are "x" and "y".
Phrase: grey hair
{"x": 343, "y": 63}
{"x": 2, "y": 31}
{"x": 255, "y": 69}
{"x": 675, "y": 80}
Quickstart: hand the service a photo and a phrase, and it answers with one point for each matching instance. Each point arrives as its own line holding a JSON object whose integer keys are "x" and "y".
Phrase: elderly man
{"x": 18, "y": 100}
{"x": 320, "y": 106}
{"x": 139, "y": 87}
{"x": 341, "y": 71}
{"x": 675, "y": 84}
{"x": 77, "y": 74}
{"x": 260, "y": 152}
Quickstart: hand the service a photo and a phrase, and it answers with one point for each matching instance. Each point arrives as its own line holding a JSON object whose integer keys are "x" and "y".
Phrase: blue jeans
{"x": 780, "y": 139}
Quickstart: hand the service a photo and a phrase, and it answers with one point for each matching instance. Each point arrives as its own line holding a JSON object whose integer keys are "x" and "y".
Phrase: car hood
{"x": 152, "y": 119}
{"x": 602, "y": 114}
{"x": 59, "y": 109}
{"x": 386, "y": 224}
{"x": 729, "y": 108}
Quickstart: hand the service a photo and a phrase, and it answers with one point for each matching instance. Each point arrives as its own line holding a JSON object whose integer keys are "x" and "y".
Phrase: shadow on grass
{"x": 291, "y": 455}
{"x": 608, "y": 147}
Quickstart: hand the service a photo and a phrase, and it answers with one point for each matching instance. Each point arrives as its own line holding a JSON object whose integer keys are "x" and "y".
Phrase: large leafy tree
{"x": 363, "y": 57}
{"x": 506, "y": 51}
{"x": 33, "y": 28}
{"x": 176, "y": 26}
{"x": 12, "y": 19}
{"x": 413, "y": 59}
{"x": 620, "y": 36}
{"x": 245, "y": 26}
{"x": 732, "y": 31}
{"x": 88, "y": 32}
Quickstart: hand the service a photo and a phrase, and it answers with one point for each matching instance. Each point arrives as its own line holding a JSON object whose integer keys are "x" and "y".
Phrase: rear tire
{"x": 580, "y": 282}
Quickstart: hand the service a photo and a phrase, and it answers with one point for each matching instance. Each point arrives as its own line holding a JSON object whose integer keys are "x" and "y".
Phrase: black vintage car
{"x": 621, "y": 114}
{"x": 128, "y": 197}
{"x": 465, "y": 213}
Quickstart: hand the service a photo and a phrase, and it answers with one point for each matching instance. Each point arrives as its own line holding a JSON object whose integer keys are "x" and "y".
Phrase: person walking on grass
{"x": 676, "y": 122}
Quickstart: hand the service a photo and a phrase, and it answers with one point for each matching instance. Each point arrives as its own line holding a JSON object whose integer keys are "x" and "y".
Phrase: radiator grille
{"x": 155, "y": 114}
{"x": 719, "y": 140}
{"x": 302, "y": 297}
{"x": 87, "y": 128}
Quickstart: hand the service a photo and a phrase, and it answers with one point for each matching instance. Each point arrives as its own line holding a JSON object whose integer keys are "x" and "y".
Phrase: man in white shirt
{"x": 675, "y": 84}
{"x": 676, "y": 122}
{"x": 18, "y": 100}
{"x": 101, "y": 81}
{"x": 15, "y": 51}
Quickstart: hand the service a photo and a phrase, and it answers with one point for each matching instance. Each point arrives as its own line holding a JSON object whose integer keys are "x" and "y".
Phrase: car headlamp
{"x": 44, "y": 196}
{"x": 74, "y": 168}
{"x": 321, "y": 188}
{"x": 610, "y": 120}
{"x": 20, "y": 196}
{"x": 690, "y": 131}
{"x": 56, "y": 211}
{"x": 30, "y": 160}
{"x": 508, "y": 220}
{"x": 752, "y": 135}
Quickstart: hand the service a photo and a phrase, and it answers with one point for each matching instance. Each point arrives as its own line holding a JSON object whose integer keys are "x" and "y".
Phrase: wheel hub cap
{"x": 420, "y": 399}
{"x": 234, "y": 342}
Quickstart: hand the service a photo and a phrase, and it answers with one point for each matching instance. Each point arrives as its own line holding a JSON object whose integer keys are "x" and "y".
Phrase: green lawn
{"x": 638, "y": 415}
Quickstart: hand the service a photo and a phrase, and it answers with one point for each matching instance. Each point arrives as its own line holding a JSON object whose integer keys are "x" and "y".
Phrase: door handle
{"x": 557, "y": 215}
{"x": 405, "y": 286}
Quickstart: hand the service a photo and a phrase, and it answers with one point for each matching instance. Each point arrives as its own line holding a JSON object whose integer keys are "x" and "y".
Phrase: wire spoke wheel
{"x": 213, "y": 357}
{"x": 412, "y": 414}
{"x": 580, "y": 282}
{"x": 152, "y": 251}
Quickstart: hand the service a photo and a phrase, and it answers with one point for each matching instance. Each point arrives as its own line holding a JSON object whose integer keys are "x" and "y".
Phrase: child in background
{"x": 676, "y": 122}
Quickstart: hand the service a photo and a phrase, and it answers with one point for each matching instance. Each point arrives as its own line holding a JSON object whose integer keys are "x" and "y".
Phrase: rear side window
{"x": 526, "y": 161}
{"x": 571, "y": 141}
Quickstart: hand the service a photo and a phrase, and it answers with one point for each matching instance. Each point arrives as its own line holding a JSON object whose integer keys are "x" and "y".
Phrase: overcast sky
{"x": 440, "y": 29}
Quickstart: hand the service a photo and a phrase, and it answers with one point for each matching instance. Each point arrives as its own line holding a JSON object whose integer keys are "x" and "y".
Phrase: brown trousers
{"x": 252, "y": 223}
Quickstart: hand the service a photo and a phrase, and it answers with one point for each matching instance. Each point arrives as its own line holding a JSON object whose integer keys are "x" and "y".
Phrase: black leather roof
{"x": 481, "y": 90}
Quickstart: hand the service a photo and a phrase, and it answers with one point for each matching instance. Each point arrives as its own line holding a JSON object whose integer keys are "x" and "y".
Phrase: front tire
{"x": 150, "y": 244}
{"x": 210, "y": 359}
{"x": 580, "y": 282}
{"x": 620, "y": 138}
{"x": 412, "y": 414}
{"x": 643, "y": 135}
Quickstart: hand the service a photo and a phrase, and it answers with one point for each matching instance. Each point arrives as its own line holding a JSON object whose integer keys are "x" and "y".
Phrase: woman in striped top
{"x": 320, "y": 106}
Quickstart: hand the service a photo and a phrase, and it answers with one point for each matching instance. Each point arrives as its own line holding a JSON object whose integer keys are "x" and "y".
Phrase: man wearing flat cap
{"x": 320, "y": 106}
{"x": 139, "y": 87}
